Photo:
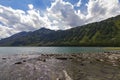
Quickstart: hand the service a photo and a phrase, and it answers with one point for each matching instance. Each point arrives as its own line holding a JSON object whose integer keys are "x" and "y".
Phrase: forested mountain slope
{"x": 104, "y": 33}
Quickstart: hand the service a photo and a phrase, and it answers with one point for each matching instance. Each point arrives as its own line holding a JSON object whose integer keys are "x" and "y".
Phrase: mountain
{"x": 104, "y": 33}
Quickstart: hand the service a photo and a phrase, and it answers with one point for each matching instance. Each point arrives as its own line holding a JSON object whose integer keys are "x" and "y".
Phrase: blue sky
{"x": 30, "y": 15}
{"x": 38, "y": 4}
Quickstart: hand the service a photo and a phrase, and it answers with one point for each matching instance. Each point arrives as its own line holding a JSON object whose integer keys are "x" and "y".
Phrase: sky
{"x": 29, "y": 15}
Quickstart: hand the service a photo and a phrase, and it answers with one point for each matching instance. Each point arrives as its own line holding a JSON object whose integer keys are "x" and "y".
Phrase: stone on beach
{"x": 97, "y": 66}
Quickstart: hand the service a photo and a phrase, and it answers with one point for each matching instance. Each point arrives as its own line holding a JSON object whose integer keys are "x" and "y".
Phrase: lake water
{"x": 48, "y": 50}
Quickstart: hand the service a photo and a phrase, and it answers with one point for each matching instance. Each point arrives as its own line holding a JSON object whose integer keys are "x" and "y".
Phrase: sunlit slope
{"x": 104, "y": 33}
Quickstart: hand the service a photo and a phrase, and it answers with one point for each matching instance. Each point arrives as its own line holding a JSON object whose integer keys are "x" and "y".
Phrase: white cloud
{"x": 30, "y": 6}
{"x": 60, "y": 15}
{"x": 6, "y": 31}
{"x": 19, "y": 20}
{"x": 102, "y": 9}
{"x": 78, "y": 4}
{"x": 65, "y": 14}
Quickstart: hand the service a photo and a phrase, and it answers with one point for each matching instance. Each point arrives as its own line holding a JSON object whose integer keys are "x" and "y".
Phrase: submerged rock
{"x": 41, "y": 59}
{"x": 24, "y": 60}
{"x": 62, "y": 58}
{"x": 4, "y": 58}
{"x": 18, "y": 62}
{"x": 99, "y": 66}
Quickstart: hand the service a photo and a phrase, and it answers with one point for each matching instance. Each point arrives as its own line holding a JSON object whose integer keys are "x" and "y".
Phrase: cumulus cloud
{"x": 60, "y": 15}
{"x": 6, "y": 31}
{"x": 102, "y": 9}
{"x": 65, "y": 14}
{"x": 21, "y": 20}
{"x": 30, "y": 6}
{"x": 78, "y": 4}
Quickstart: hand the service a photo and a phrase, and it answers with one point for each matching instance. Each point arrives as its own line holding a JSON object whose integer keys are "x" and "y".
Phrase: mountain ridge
{"x": 103, "y": 33}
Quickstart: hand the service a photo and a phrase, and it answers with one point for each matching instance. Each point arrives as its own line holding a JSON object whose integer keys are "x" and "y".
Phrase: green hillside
{"x": 104, "y": 33}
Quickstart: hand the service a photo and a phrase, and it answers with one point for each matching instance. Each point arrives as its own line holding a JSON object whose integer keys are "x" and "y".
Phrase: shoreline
{"x": 82, "y": 66}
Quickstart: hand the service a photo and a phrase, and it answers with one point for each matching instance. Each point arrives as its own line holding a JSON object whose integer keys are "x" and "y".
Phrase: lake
{"x": 48, "y": 50}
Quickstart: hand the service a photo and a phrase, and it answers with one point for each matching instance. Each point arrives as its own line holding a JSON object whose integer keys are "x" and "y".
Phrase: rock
{"x": 67, "y": 77}
{"x": 44, "y": 60}
{"x": 24, "y": 60}
{"x": 62, "y": 58}
{"x": 101, "y": 60}
{"x": 82, "y": 64}
{"x": 41, "y": 59}
{"x": 4, "y": 58}
{"x": 18, "y": 63}
{"x": 70, "y": 57}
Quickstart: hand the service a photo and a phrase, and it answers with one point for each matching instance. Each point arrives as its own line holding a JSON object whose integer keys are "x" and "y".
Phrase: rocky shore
{"x": 82, "y": 66}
